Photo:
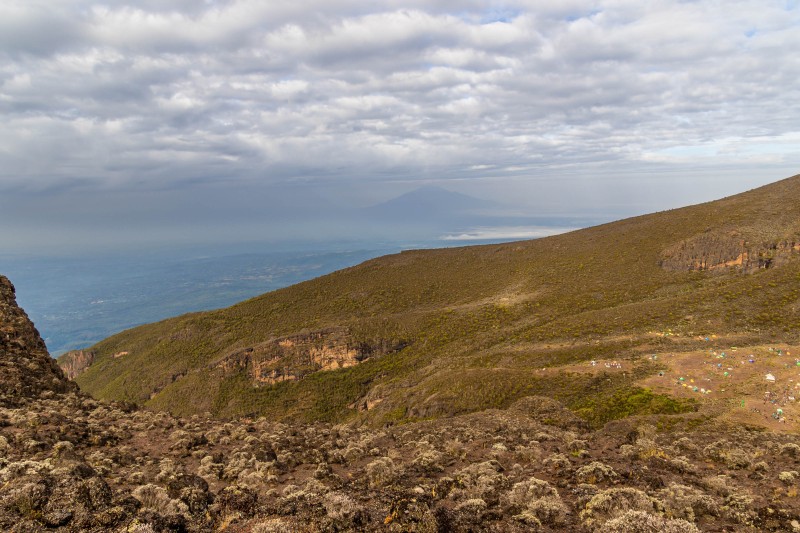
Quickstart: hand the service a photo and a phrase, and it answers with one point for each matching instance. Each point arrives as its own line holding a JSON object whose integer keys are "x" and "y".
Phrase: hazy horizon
{"x": 174, "y": 123}
{"x": 236, "y": 227}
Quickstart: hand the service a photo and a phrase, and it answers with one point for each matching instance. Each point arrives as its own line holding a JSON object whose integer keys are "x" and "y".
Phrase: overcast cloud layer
{"x": 101, "y": 102}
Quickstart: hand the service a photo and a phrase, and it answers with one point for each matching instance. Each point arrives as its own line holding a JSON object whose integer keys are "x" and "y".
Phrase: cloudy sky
{"x": 185, "y": 120}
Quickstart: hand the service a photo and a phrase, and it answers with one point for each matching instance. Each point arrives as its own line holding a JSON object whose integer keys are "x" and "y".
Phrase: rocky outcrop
{"x": 26, "y": 369}
{"x": 721, "y": 251}
{"x": 293, "y": 357}
{"x": 75, "y": 362}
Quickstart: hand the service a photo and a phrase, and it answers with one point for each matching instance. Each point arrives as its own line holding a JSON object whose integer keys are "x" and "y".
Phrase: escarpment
{"x": 75, "y": 362}
{"x": 712, "y": 251}
{"x": 26, "y": 368}
{"x": 293, "y": 357}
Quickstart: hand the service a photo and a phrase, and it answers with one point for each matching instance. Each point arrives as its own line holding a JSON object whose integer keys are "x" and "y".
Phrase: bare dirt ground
{"x": 752, "y": 384}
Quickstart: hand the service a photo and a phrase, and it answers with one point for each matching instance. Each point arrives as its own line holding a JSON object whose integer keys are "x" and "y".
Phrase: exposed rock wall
{"x": 720, "y": 251}
{"x": 291, "y": 358}
{"x": 75, "y": 362}
{"x": 26, "y": 369}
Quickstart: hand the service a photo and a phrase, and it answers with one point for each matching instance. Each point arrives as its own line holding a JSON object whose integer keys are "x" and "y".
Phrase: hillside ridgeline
{"x": 466, "y": 329}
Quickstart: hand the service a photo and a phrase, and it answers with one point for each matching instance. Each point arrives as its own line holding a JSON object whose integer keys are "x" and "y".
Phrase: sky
{"x": 183, "y": 121}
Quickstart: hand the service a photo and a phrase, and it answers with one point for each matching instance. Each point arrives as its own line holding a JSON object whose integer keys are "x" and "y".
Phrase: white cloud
{"x": 506, "y": 233}
{"x": 150, "y": 92}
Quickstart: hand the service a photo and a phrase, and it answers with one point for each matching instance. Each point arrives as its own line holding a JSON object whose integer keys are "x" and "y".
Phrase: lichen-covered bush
{"x": 381, "y": 472}
{"x": 682, "y": 501}
{"x": 790, "y": 449}
{"x": 156, "y": 499}
{"x": 577, "y": 445}
{"x": 428, "y": 460}
{"x": 613, "y": 503}
{"x": 234, "y": 499}
{"x": 344, "y": 513}
{"x": 682, "y": 465}
{"x": 642, "y": 522}
{"x": 738, "y": 507}
{"x": 210, "y": 469}
{"x": 5, "y": 447}
{"x": 736, "y": 459}
{"x": 557, "y": 462}
{"x": 482, "y": 481}
{"x": 722, "y": 451}
{"x": 275, "y": 525}
{"x": 595, "y": 472}
{"x": 538, "y": 499}
{"x": 686, "y": 445}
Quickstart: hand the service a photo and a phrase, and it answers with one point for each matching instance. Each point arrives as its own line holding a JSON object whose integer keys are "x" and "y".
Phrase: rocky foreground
{"x": 69, "y": 462}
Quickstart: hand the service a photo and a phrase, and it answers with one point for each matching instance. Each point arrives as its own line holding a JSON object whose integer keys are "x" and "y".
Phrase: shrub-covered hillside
{"x": 432, "y": 333}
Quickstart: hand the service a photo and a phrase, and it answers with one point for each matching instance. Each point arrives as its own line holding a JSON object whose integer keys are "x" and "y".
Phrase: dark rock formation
{"x": 26, "y": 369}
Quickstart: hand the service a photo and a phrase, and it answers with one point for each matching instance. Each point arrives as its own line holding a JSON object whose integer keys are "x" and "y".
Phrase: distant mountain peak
{"x": 435, "y": 191}
{"x": 431, "y": 201}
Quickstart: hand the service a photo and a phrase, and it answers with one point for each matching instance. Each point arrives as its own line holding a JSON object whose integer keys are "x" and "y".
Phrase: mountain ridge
{"x": 433, "y": 197}
{"x": 433, "y": 208}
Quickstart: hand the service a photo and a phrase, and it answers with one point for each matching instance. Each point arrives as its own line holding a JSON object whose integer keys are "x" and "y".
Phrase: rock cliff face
{"x": 75, "y": 362}
{"x": 26, "y": 369}
{"x": 719, "y": 251}
{"x": 291, "y": 358}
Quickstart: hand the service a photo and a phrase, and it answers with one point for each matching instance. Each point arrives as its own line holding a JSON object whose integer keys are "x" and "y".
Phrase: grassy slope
{"x": 481, "y": 320}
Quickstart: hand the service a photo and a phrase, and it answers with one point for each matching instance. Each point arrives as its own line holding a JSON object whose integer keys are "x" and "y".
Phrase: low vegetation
{"x": 476, "y": 324}
{"x": 72, "y": 463}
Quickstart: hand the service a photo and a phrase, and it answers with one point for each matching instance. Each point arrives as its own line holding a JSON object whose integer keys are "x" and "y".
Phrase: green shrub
{"x": 630, "y": 401}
